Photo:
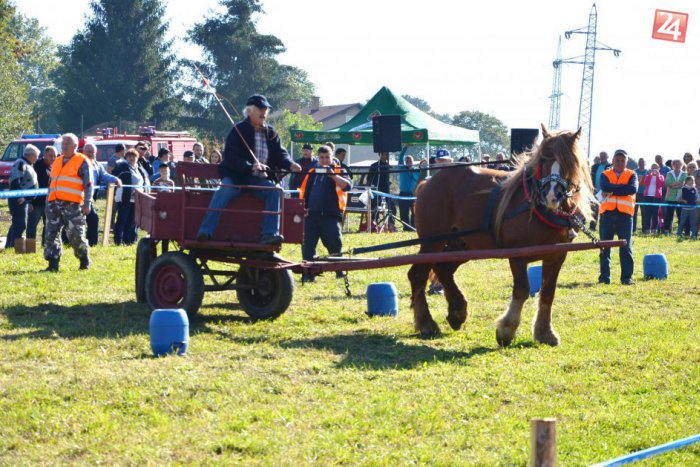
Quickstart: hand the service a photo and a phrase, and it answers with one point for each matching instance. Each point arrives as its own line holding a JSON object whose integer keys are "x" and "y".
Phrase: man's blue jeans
{"x": 222, "y": 196}
{"x": 616, "y": 223}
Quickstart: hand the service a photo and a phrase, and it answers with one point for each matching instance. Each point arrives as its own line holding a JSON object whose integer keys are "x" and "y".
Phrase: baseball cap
{"x": 620, "y": 151}
{"x": 442, "y": 154}
{"x": 259, "y": 101}
{"x": 307, "y": 146}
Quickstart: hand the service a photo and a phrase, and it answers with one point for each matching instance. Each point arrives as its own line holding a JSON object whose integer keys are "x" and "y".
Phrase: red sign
{"x": 418, "y": 135}
{"x": 670, "y": 26}
{"x": 298, "y": 134}
{"x": 356, "y": 136}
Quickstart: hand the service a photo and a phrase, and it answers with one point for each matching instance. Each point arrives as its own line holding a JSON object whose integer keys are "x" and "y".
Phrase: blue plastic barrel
{"x": 534, "y": 277}
{"x": 655, "y": 267}
{"x": 170, "y": 332}
{"x": 382, "y": 299}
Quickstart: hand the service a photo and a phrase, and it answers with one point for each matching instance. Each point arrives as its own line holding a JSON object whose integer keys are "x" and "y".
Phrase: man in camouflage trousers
{"x": 68, "y": 202}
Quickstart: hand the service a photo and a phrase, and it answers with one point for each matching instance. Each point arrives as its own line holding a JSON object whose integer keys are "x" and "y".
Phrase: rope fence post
{"x": 369, "y": 210}
{"x": 543, "y": 442}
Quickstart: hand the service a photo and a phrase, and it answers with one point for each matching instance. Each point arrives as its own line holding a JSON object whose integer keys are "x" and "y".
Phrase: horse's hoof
{"x": 429, "y": 330}
{"x": 457, "y": 315}
{"x": 547, "y": 336}
{"x": 456, "y": 320}
{"x": 504, "y": 336}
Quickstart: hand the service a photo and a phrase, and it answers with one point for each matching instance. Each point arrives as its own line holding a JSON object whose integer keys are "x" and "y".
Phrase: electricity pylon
{"x": 585, "y": 107}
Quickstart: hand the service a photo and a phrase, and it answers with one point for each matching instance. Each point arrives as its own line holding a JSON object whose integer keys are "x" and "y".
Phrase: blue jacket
{"x": 407, "y": 180}
{"x": 238, "y": 162}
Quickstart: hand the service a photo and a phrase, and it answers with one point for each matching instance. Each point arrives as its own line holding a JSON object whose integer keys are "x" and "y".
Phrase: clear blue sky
{"x": 491, "y": 56}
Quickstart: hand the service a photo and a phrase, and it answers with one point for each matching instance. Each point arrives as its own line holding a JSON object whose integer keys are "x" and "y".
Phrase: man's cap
{"x": 141, "y": 145}
{"x": 162, "y": 152}
{"x": 259, "y": 101}
{"x": 620, "y": 151}
{"x": 119, "y": 147}
{"x": 307, "y": 146}
{"x": 442, "y": 153}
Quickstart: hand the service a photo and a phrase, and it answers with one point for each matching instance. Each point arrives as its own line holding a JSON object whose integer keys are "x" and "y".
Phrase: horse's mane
{"x": 563, "y": 147}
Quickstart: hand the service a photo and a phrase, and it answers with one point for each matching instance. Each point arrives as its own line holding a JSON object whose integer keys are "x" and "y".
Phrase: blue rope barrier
{"x": 389, "y": 195}
{"x": 639, "y": 455}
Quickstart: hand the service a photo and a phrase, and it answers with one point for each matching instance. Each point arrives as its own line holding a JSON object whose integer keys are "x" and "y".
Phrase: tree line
{"x": 121, "y": 69}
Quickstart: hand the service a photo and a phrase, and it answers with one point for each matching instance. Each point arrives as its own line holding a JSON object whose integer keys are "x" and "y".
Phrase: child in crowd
{"x": 689, "y": 199}
{"x": 164, "y": 178}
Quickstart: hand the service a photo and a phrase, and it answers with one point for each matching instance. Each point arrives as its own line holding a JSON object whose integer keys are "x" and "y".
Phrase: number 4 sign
{"x": 670, "y": 26}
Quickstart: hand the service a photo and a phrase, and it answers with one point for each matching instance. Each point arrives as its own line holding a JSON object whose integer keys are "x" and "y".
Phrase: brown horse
{"x": 533, "y": 205}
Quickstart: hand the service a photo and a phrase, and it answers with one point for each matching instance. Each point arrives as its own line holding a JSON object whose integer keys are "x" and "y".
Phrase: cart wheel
{"x": 143, "y": 262}
{"x": 174, "y": 280}
{"x": 268, "y": 293}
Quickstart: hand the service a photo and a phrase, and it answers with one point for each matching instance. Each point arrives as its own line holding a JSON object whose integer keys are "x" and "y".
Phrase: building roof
{"x": 324, "y": 112}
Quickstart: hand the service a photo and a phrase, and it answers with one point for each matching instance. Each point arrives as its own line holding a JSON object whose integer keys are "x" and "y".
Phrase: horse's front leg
{"x": 456, "y": 303}
{"x": 422, "y": 320}
{"x": 508, "y": 323}
{"x": 542, "y": 328}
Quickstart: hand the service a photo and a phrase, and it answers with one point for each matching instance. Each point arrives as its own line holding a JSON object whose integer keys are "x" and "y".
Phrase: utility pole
{"x": 555, "y": 97}
{"x": 585, "y": 108}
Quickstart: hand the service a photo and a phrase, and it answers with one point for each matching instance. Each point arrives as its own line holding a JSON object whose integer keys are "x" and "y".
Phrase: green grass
{"x": 325, "y": 384}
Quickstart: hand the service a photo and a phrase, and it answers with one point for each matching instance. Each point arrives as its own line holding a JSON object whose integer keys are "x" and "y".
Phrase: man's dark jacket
{"x": 43, "y": 172}
{"x": 238, "y": 161}
{"x": 379, "y": 176}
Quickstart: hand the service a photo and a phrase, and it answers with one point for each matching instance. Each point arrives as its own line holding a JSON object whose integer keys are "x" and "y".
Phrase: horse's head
{"x": 560, "y": 172}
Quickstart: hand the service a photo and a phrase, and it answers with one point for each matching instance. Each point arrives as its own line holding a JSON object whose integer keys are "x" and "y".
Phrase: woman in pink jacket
{"x": 653, "y": 184}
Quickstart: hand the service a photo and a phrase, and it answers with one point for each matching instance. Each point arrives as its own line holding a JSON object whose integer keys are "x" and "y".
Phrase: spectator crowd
{"x": 659, "y": 195}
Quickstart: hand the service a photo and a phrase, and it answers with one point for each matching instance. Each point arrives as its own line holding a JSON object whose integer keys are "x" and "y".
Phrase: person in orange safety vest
{"x": 325, "y": 194}
{"x": 68, "y": 202}
{"x": 618, "y": 188}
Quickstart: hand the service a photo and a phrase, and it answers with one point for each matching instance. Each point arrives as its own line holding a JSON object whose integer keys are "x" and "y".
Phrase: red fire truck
{"x": 177, "y": 142}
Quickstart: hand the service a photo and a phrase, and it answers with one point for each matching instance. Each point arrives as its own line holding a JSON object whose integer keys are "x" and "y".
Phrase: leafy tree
{"x": 492, "y": 132}
{"x": 14, "y": 105}
{"x": 38, "y": 63}
{"x": 120, "y": 67}
{"x": 287, "y": 120}
{"x": 239, "y": 62}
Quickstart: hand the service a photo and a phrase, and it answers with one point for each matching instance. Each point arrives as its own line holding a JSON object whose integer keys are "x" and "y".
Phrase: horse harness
{"x": 531, "y": 184}
{"x": 536, "y": 186}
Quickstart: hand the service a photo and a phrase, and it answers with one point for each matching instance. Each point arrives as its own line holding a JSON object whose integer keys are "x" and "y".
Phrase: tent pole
{"x": 291, "y": 150}
{"x": 349, "y": 161}
{"x": 427, "y": 149}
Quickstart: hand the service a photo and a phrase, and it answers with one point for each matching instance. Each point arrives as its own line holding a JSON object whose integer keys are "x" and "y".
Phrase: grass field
{"x": 324, "y": 384}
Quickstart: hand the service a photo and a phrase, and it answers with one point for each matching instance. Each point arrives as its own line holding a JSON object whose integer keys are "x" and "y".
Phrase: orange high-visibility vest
{"x": 340, "y": 193}
{"x": 64, "y": 182}
{"x": 624, "y": 204}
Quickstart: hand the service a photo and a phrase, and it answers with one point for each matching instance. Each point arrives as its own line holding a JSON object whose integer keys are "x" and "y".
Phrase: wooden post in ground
{"x": 543, "y": 442}
{"x": 108, "y": 214}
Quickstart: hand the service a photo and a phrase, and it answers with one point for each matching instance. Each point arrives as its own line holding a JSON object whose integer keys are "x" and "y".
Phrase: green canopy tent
{"x": 417, "y": 127}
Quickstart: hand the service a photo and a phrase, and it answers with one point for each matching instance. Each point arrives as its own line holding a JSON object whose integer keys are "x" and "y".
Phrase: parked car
{"x": 16, "y": 149}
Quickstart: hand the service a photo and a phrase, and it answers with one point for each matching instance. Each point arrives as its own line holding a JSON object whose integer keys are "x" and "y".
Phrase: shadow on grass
{"x": 378, "y": 351}
{"x": 106, "y": 320}
{"x": 576, "y": 285}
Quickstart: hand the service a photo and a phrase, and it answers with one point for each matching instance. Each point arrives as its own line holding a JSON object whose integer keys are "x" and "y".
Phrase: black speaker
{"x": 522, "y": 139}
{"x": 386, "y": 130}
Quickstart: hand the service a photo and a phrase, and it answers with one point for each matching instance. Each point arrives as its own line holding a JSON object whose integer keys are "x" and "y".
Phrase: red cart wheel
{"x": 174, "y": 280}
